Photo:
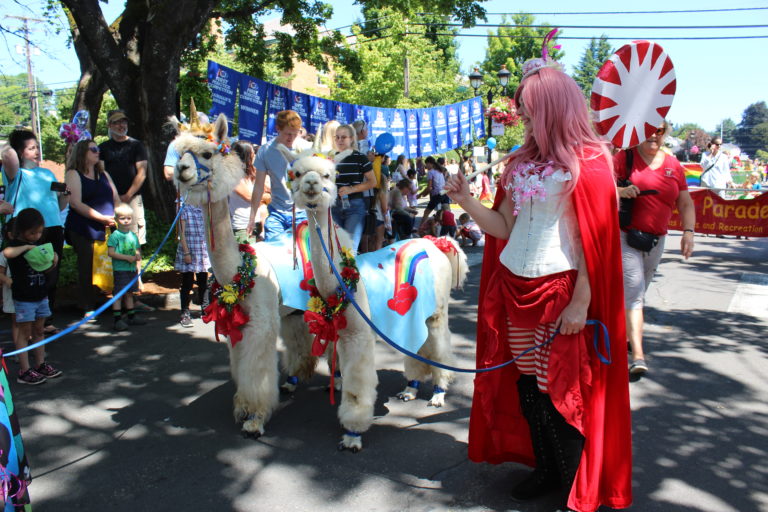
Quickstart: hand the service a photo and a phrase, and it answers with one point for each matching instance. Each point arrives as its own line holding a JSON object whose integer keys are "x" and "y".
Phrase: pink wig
{"x": 560, "y": 129}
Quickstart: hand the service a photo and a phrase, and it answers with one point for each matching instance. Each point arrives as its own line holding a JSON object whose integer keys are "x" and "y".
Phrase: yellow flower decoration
{"x": 348, "y": 253}
{"x": 229, "y": 294}
{"x": 315, "y": 304}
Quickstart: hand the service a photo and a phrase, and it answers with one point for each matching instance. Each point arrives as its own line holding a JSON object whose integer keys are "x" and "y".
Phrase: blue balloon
{"x": 491, "y": 143}
{"x": 384, "y": 143}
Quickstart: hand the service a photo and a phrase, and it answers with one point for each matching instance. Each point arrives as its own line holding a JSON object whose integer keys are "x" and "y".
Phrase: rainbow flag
{"x": 692, "y": 174}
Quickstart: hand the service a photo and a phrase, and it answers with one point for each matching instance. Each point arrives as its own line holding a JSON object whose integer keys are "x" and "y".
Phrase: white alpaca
{"x": 206, "y": 174}
{"x": 314, "y": 189}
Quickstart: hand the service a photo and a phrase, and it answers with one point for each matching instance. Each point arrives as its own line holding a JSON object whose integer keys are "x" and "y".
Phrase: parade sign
{"x": 417, "y": 131}
{"x": 718, "y": 216}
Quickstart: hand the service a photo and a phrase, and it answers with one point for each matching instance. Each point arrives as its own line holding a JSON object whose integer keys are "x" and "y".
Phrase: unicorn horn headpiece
{"x": 532, "y": 66}
{"x": 194, "y": 121}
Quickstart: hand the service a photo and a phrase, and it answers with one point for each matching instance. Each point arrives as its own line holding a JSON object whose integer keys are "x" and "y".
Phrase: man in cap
{"x": 125, "y": 159}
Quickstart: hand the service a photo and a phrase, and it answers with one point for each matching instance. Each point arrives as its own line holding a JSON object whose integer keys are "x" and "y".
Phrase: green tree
{"x": 139, "y": 57}
{"x": 512, "y": 44}
{"x": 594, "y": 57}
{"x": 752, "y": 133}
{"x": 727, "y": 131}
{"x": 382, "y": 55}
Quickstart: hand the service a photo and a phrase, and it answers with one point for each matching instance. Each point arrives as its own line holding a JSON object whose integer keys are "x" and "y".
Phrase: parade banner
{"x": 440, "y": 124}
{"x": 278, "y": 100}
{"x": 417, "y": 132}
{"x": 465, "y": 123}
{"x": 718, "y": 216}
{"x": 412, "y": 149}
{"x": 253, "y": 104}
{"x": 223, "y": 82}
{"x": 427, "y": 144}
{"x": 453, "y": 126}
{"x": 478, "y": 119}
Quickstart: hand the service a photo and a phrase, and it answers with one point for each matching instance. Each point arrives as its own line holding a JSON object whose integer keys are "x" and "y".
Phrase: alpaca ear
{"x": 289, "y": 156}
{"x": 220, "y": 129}
{"x": 174, "y": 123}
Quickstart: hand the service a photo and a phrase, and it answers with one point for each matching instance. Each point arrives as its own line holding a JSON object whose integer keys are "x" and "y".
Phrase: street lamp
{"x": 476, "y": 80}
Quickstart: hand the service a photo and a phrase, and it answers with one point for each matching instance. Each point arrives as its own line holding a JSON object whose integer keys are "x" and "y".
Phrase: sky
{"x": 716, "y": 79}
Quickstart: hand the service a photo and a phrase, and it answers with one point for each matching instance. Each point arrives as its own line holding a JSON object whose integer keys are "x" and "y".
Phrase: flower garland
{"x": 325, "y": 316}
{"x": 503, "y": 111}
{"x": 527, "y": 182}
{"x": 225, "y": 309}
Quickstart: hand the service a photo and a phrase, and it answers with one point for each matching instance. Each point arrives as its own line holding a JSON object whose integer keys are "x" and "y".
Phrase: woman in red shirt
{"x": 657, "y": 186}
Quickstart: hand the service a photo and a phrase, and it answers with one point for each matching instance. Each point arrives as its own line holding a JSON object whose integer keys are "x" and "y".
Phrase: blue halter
{"x": 200, "y": 167}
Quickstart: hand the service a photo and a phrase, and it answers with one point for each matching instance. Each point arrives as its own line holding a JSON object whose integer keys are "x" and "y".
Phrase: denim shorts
{"x": 122, "y": 278}
{"x": 31, "y": 311}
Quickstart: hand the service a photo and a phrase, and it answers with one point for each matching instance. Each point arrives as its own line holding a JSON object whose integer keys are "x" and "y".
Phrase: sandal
{"x": 51, "y": 329}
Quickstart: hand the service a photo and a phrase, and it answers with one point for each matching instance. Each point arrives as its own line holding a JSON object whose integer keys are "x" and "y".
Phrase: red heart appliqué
{"x": 405, "y": 296}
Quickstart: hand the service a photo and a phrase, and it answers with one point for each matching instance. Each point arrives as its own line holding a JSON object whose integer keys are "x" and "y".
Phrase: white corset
{"x": 545, "y": 238}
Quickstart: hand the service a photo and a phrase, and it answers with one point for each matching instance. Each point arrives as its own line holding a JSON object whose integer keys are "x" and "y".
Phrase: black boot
{"x": 544, "y": 477}
{"x": 566, "y": 442}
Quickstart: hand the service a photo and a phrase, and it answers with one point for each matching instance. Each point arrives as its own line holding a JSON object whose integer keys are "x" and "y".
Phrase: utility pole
{"x": 31, "y": 82}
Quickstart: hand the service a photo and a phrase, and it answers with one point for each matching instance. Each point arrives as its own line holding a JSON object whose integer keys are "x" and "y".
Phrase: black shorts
{"x": 122, "y": 278}
{"x": 436, "y": 200}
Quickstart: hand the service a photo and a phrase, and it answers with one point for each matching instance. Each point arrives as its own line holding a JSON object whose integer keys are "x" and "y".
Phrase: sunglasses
{"x": 715, "y": 143}
{"x": 660, "y": 131}
{"x": 94, "y": 149}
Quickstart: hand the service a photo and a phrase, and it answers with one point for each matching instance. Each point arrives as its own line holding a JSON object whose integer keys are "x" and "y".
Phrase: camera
{"x": 57, "y": 186}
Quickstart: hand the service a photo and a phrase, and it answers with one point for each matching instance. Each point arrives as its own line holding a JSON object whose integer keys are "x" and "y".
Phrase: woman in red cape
{"x": 590, "y": 396}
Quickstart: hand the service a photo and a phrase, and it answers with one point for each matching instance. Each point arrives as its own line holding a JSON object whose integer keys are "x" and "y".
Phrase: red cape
{"x": 593, "y": 397}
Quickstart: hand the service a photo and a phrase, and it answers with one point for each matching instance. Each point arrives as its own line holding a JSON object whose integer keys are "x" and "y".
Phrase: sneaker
{"x": 135, "y": 321}
{"x": 120, "y": 325}
{"x": 30, "y": 377}
{"x": 638, "y": 367}
{"x": 186, "y": 320}
{"x": 48, "y": 371}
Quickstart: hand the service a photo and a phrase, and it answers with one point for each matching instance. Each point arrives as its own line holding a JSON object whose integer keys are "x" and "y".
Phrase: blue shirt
{"x": 272, "y": 162}
{"x": 171, "y": 156}
{"x": 35, "y": 193}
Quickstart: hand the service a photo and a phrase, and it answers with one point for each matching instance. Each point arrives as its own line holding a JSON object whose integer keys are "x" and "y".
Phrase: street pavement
{"x": 142, "y": 421}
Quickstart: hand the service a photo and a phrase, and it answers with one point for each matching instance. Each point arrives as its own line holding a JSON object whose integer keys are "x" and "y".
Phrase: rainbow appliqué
{"x": 302, "y": 248}
{"x": 407, "y": 260}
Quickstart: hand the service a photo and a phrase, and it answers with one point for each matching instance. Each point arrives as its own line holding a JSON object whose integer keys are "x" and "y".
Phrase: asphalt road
{"x": 142, "y": 421}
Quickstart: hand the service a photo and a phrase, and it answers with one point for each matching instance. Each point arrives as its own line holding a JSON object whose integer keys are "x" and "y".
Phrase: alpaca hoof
{"x": 253, "y": 427}
{"x": 437, "y": 400}
{"x": 250, "y": 435}
{"x": 408, "y": 394}
{"x": 352, "y": 443}
{"x": 287, "y": 388}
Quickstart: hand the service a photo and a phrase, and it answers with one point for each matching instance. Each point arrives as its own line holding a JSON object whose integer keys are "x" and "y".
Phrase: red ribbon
{"x": 325, "y": 330}
{"x": 227, "y": 323}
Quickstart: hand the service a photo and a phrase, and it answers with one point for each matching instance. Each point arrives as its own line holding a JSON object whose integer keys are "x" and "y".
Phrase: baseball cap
{"x": 41, "y": 257}
{"x": 116, "y": 115}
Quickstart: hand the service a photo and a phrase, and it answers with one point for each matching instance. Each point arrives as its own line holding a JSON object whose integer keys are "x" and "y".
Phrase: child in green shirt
{"x": 125, "y": 251}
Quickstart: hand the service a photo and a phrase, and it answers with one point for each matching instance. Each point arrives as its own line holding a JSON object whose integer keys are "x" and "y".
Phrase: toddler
{"x": 470, "y": 232}
{"x": 30, "y": 262}
{"x": 125, "y": 251}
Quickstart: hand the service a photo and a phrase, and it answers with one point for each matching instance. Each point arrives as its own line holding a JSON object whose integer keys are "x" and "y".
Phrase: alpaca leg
{"x": 256, "y": 378}
{"x": 298, "y": 361}
{"x": 358, "y": 394}
{"x": 415, "y": 372}
{"x": 439, "y": 349}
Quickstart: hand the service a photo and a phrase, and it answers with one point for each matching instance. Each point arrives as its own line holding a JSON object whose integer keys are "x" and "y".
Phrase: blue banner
{"x": 344, "y": 113}
{"x": 453, "y": 125}
{"x": 223, "y": 83}
{"x": 412, "y": 149}
{"x": 299, "y": 103}
{"x": 320, "y": 112}
{"x": 427, "y": 144}
{"x": 397, "y": 129}
{"x": 465, "y": 123}
{"x": 440, "y": 127}
{"x": 378, "y": 121}
{"x": 278, "y": 100}
{"x": 253, "y": 104}
{"x": 478, "y": 121}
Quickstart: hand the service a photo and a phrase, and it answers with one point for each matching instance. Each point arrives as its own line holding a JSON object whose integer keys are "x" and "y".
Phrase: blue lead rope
{"x": 351, "y": 295}
{"x": 107, "y": 304}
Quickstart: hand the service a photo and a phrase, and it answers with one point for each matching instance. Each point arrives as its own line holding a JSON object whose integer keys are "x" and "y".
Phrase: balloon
{"x": 384, "y": 143}
{"x": 70, "y": 132}
{"x": 81, "y": 119}
{"x": 491, "y": 143}
{"x": 695, "y": 150}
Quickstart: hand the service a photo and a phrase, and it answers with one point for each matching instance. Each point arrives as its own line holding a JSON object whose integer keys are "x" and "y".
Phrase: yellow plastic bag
{"x": 102, "y": 265}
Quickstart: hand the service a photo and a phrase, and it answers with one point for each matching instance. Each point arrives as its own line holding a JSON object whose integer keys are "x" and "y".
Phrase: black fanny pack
{"x": 641, "y": 240}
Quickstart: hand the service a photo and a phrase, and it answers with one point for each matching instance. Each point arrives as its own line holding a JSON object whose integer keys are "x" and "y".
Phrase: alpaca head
{"x": 314, "y": 179}
{"x": 207, "y": 169}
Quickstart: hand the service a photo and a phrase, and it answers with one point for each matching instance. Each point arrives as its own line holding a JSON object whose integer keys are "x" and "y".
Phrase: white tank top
{"x": 545, "y": 238}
